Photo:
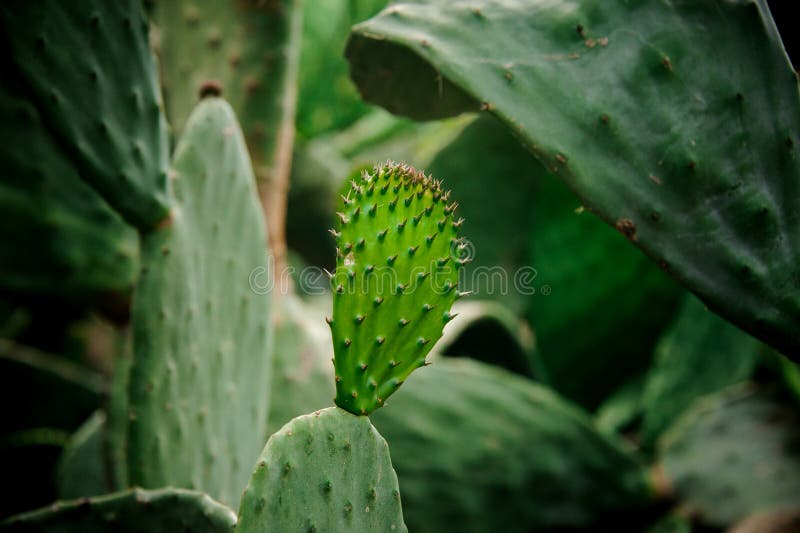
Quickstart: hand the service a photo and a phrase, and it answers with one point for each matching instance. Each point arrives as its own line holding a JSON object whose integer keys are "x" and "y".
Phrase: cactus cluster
{"x": 123, "y": 256}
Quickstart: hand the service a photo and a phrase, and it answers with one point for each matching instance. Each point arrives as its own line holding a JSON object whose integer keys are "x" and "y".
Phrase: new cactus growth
{"x": 396, "y": 279}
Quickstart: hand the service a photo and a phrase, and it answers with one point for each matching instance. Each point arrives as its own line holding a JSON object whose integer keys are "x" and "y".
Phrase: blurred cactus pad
{"x": 237, "y": 236}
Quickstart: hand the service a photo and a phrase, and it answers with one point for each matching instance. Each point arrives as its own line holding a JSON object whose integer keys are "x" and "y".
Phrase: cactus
{"x": 198, "y": 390}
{"x": 105, "y": 120}
{"x": 325, "y": 471}
{"x": 478, "y": 449}
{"x": 251, "y": 48}
{"x": 396, "y": 279}
{"x": 685, "y": 140}
{"x": 564, "y": 270}
{"x": 135, "y": 511}
{"x": 734, "y": 454}
{"x": 60, "y": 236}
{"x": 700, "y": 354}
{"x": 80, "y": 472}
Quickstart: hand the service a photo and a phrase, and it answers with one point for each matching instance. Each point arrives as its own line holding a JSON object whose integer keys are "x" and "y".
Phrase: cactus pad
{"x": 734, "y": 454}
{"x": 395, "y": 282}
{"x": 134, "y": 511}
{"x": 676, "y": 122}
{"x": 325, "y": 471}
{"x": 200, "y": 375}
{"x": 88, "y": 70}
{"x": 700, "y": 354}
{"x": 478, "y": 449}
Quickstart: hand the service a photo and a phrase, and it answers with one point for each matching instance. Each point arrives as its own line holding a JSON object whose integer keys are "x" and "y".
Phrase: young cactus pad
{"x": 396, "y": 279}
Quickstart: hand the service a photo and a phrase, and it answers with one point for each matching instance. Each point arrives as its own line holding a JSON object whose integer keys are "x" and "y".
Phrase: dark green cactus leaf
{"x": 59, "y": 236}
{"x": 81, "y": 472}
{"x": 478, "y": 449}
{"x": 325, "y": 471}
{"x": 733, "y": 454}
{"x": 583, "y": 288}
{"x": 396, "y": 279}
{"x": 199, "y": 382}
{"x": 683, "y": 138}
{"x": 87, "y": 70}
{"x": 700, "y": 354}
{"x": 135, "y": 511}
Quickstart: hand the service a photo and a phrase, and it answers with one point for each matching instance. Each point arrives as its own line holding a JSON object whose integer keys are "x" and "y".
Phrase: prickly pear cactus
{"x": 479, "y": 449}
{"x": 676, "y": 122}
{"x": 325, "y": 471}
{"x": 87, "y": 69}
{"x": 733, "y": 454}
{"x": 199, "y": 380}
{"x": 396, "y": 279}
{"x": 134, "y": 511}
{"x": 698, "y": 355}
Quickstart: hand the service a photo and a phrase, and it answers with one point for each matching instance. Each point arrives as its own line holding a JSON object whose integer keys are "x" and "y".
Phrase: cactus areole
{"x": 397, "y": 262}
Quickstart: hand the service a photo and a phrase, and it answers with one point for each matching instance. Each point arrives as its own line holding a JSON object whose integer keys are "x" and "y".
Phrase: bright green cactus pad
{"x": 135, "y": 511}
{"x": 396, "y": 279}
{"x": 87, "y": 69}
{"x": 479, "y": 449}
{"x": 676, "y": 122}
{"x": 327, "y": 471}
{"x": 199, "y": 381}
{"x": 734, "y": 454}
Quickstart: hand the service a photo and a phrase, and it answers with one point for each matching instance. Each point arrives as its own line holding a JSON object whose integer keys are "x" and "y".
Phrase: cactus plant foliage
{"x": 325, "y": 471}
{"x": 676, "y": 122}
{"x": 733, "y": 454}
{"x": 198, "y": 390}
{"x": 478, "y": 449}
{"x": 396, "y": 279}
{"x": 87, "y": 71}
{"x": 134, "y": 511}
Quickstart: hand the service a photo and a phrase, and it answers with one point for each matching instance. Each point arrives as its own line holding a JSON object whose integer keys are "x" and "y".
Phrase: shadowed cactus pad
{"x": 395, "y": 282}
{"x": 134, "y": 511}
{"x": 324, "y": 472}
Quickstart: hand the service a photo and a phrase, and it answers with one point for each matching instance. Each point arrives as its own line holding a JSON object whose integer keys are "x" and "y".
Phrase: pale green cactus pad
{"x": 396, "y": 279}
{"x": 199, "y": 381}
{"x": 327, "y": 471}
